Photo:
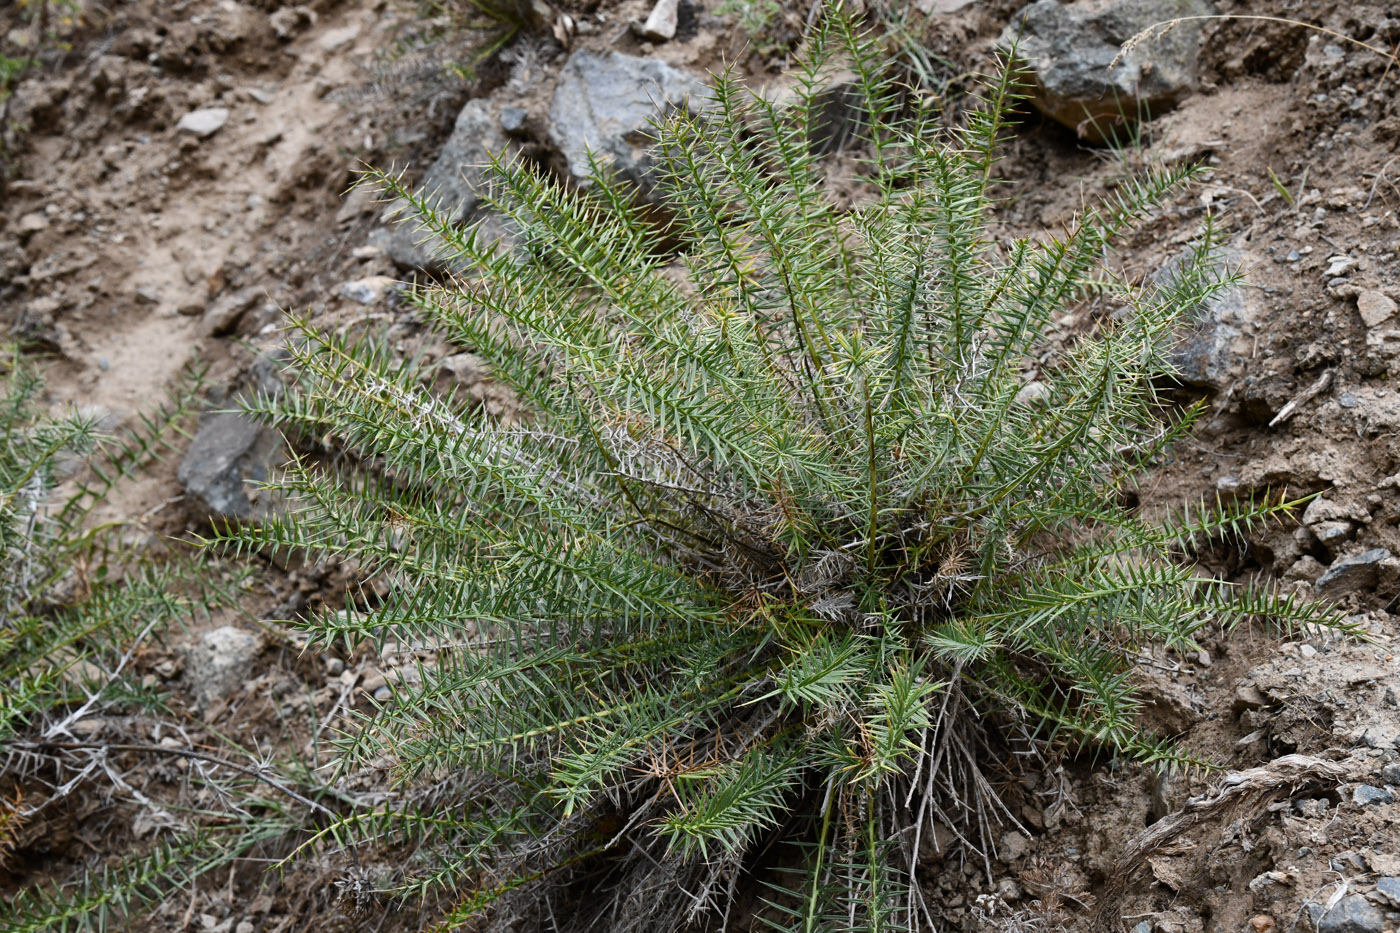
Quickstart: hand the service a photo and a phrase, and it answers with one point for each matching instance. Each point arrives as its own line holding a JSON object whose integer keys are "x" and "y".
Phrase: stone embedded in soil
{"x": 661, "y": 22}
{"x": 229, "y": 450}
{"x": 455, "y": 184}
{"x": 1388, "y": 891}
{"x": 223, "y": 316}
{"x": 1375, "y": 308}
{"x": 607, "y": 105}
{"x": 1080, "y": 77}
{"x": 1354, "y": 914}
{"x": 513, "y": 120}
{"x": 204, "y": 122}
{"x": 217, "y": 663}
{"x": 1364, "y": 795}
{"x": 1352, "y": 574}
{"x": 1213, "y": 342}
{"x": 369, "y": 290}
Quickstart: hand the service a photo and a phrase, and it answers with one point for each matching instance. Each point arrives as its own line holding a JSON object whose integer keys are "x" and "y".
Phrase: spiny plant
{"x": 79, "y": 600}
{"x": 787, "y": 537}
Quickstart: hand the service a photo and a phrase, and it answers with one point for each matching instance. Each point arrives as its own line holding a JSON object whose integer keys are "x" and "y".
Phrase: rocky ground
{"x": 183, "y": 182}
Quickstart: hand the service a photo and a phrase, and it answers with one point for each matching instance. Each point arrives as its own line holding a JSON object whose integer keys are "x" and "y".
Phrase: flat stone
{"x": 205, "y": 122}
{"x": 1375, "y": 308}
{"x": 1365, "y": 795}
{"x": 1079, "y": 74}
{"x": 1388, "y": 891}
{"x": 1354, "y": 914}
{"x": 1352, "y": 574}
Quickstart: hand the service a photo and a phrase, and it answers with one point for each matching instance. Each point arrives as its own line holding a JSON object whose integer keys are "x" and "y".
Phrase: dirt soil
{"x": 130, "y": 248}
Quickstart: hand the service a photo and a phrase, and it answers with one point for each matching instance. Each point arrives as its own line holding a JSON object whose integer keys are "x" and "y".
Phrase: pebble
{"x": 1366, "y": 795}
{"x": 1391, "y": 773}
{"x": 1307, "y": 651}
{"x": 513, "y": 119}
{"x": 1375, "y": 308}
{"x": 382, "y": 694}
{"x": 1339, "y": 265}
{"x": 367, "y": 291}
{"x": 33, "y": 222}
{"x": 334, "y": 666}
{"x": 1352, "y": 914}
{"x": 205, "y": 122}
{"x": 1261, "y": 923}
{"x": 1347, "y": 400}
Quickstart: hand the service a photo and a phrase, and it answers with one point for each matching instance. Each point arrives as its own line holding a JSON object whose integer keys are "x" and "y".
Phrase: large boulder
{"x": 455, "y": 183}
{"x": 608, "y": 104}
{"x": 1072, "y": 51}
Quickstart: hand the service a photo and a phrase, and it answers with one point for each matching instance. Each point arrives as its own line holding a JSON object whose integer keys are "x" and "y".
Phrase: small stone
{"x": 334, "y": 666}
{"x": 1375, "y": 308}
{"x": 33, "y": 222}
{"x": 661, "y": 23}
{"x": 1352, "y": 914}
{"x": 1227, "y": 485}
{"x": 1032, "y": 393}
{"x": 335, "y": 38}
{"x": 220, "y": 661}
{"x": 1308, "y": 652}
{"x": 1261, "y": 923}
{"x": 223, "y": 316}
{"x": 229, "y": 451}
{"x": 366, "y": 252}
{"x": 1339, "y": 265}
{"x": 1008, "y": 890}
{"x": 1293, "y": 255}
{"x": 382, "y": 694}
{"x": 1347, "y": 400}
{"x": 1143, "y": 926}
{"x": 367, "y": 291}
{"x": 205, "y": 122}
{"x": 1248, "y": 697}
{"x": 1388, "y": 891}
{"x": 244, "y": 926}
{"x": 1352, "y": 573}
{"x": 1365, "y": 795}
{"x": 1391, "y": 773}
{"x": 1013, "y": 846}
{"x": 513, "y": 120}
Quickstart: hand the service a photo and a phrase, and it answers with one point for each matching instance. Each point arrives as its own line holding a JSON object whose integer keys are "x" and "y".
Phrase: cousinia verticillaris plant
{"x": 783, "y": 538}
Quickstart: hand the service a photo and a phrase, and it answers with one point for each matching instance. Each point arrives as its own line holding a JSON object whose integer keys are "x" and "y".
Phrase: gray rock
{"x": 223, "y": 316}
{"x": 1388, "y": 891}
{"x": 1364, "y": 795}
{"x": 456, "y": 183}
{"x": 1352, "y": 573}
{"x": 369, "y": 290}
{"x": 513, "y": 120}
{"x": 1068, "y": 50}
{"x": 1391, "y": 773}
{"x": 1213, "y": 343}
{"x": 229, "y": 451}
{"x": 218, "y": 662}
{"x": 1352, "y": 914}
{"x": 609, "y": 104}
{"x": 205, "y": 122}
